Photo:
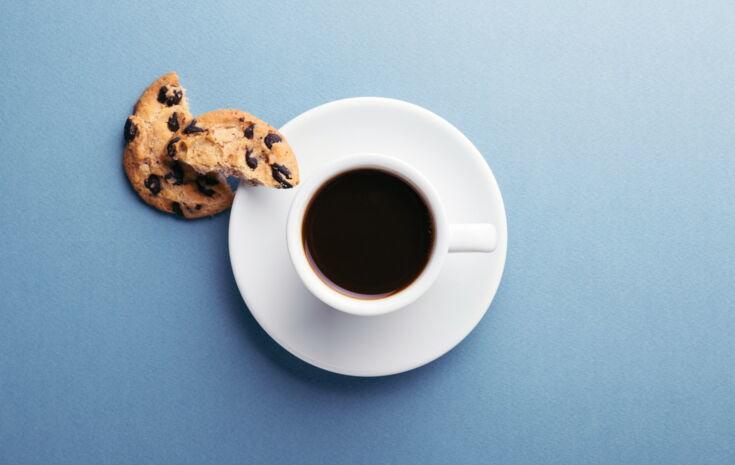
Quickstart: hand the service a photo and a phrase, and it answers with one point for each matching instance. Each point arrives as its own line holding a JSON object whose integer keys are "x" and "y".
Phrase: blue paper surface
{"x": 610, "y": 127}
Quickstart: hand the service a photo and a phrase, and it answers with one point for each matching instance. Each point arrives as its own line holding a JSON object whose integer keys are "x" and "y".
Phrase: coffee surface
{"x": 368, "y": 233}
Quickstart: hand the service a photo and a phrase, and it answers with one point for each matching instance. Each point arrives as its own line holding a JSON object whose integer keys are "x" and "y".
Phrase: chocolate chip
{"x": 169, "y": 100}
{"x": 278, "y": 171}
{"x": 271, "y": 139}
{"x": 210, "y": 180}
{"x": 173, "y": 122}
{"x": 176, "y": 208}
{"x": 192, "y": 128}
{"x": 248, "y": 132}
{"x": 198, "y": 206}
{"x": 171, "y": 147}
{"x": 252, "y": 162}
{"x": 162, "y": 94}
{"x": 130, "y": 130}
{"x": 282, "y": 169}
{"x": 153, "y": 183}
{"x": 176, "y": 99}
{"x": 176, "y": 173}
{"x": 202, "y": 182}
{"x": 242, "y": 120}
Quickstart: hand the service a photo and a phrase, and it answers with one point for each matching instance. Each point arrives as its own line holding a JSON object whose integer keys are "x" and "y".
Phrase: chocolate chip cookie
{"x": 235, "y": 143}
{"x": 161, "y": 118}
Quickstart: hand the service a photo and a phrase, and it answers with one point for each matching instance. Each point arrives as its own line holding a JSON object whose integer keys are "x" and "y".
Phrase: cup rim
{"x": 316, "y": 285}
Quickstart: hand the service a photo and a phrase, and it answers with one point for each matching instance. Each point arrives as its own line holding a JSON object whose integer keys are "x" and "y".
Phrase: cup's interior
{"x": 376, "y": 232}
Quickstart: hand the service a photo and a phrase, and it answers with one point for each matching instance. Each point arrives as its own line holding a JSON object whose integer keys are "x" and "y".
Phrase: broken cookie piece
{"x": 160, "y": 180}
{"x": 235, "y": 143}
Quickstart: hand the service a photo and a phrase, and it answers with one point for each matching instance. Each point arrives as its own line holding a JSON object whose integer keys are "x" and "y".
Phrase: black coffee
{"x": 368, "y": 233}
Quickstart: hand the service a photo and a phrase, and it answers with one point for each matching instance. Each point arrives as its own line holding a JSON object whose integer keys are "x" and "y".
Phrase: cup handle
{"x": 472, "y": 237}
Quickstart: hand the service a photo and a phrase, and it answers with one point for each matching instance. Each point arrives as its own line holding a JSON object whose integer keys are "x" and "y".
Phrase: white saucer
{"x": 398, "y": 341}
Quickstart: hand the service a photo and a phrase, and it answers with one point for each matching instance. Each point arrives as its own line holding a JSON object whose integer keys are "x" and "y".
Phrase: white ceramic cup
{"x": 448, "y": 238}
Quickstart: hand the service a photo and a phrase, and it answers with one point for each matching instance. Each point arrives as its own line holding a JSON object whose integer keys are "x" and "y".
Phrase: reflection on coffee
{"x": 368, "y": 233}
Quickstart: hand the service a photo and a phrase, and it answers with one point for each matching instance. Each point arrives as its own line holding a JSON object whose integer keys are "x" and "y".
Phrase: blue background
{"x": 610, "y": 126}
